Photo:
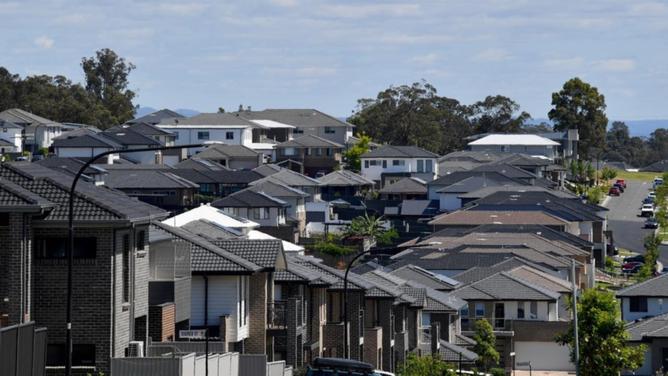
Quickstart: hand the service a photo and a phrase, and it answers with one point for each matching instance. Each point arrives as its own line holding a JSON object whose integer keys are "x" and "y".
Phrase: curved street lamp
{"x": 70, "y": 219}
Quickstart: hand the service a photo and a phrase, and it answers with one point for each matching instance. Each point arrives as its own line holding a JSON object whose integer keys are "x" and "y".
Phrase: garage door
{"x": 548, "y": 356}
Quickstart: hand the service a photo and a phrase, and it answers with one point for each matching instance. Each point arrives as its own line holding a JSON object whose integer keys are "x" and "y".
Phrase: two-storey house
{"x": 645, "y": 299}
{"x": 309, "y": 154}
{"x": 397, "y": 162}
{"x": 517, "y": 143}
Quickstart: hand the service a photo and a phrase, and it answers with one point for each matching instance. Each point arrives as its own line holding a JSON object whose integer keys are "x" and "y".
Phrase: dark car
{"x": 622, "y": 182}
{"x": 651, "y": 223}
{"x": 619, "y": 186}
{"x": 648, "y": 200}
{"x": 338, "y": 366}
{"x": 614, "y": 191}
{"x": 636, "y": 258}
{"x": 632, "y": 267}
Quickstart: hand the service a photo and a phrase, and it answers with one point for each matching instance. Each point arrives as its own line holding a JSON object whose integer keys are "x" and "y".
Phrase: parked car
{"x": 652, "y": 194}
{"x": 636, "y": 258}
{"x": 657, "y": 182}
{"x": 619, "y": 186}
{"x": 622, "y": 182}
{"x": 647, "y": 210}
{"x": 632, "y": 267}
{"x": 648, "y": 200}
{"x": 339, "y": 366}
{"x": 614, "y": 191}
{"x": 651, "y": 222}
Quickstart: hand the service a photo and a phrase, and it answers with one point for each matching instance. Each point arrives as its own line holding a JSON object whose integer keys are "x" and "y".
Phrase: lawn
{"x": 642, "y": 176}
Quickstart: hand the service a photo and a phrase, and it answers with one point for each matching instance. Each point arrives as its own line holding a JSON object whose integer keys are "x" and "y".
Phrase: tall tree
{"x": 107, "y": 80}
{"x": 413, "y": 115}
{"x": 578, "y": 105}
{"x": 498, "y": 114}
{"x": 485, "y": 344}
{"x": 604, "y": 350}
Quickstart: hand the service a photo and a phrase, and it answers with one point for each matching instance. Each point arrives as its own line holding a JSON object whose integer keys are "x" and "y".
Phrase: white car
{"x": 647, "y": 210}
{"x": 652, "y": 194}
{"x": 657, "y": 182}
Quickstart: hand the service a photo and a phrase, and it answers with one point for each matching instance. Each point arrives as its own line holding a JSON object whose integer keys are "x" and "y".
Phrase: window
{"x": 366, "y": 164}
{"x": 202, "y": 135}
{"x": 638, "y": 304}
{"x": 420, "y": 165}
{"x": 398, "y": 162}
{"x": 176, "y": 135}
{"x": 479, "y": 309}
{"x": 520, "y": 310}
{"x": 229, "y": 135}
{"x": 242, "y": 301}
{"x": 499, "y": 315}
{"x": 330, "y": 130}
{"x": 426, "y": 319}
{"x": 56, "y": 248}
{"x": 318, "y": 152}
{"x": 328, "y": 152}
{"x": 429, "y": 165}
{"x": 533, "y": 310}
{"x": 126, "y": 268}
{"x": 4, "y": 130}
{"x": 289, "y": 151}
{"x": 298, "y": 131}
{"x": 464, "y": 314}
{"x": 261, "y": 213}
{"x": 374, "y": 162}
{"x": 82, "y": 355}
{"x": 384, "y": 164}
{"x": 141, "y": 240}
{"x": 4, "y": 219}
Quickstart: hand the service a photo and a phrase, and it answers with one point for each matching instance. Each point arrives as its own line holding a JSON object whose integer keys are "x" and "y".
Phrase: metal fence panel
{"x": 252, "y": 365}
{"x": 39, "y": 353}
{"x": 188, "y": 365}
{"x": 24, "y": 346}
{"x": 275, "y": 368}
{"x": 8, "y": 349}
{"x": 182, "y": 347}
{"x": 199, "y": 366}
{"x": 146, "y": 366}
{"x": 287, "y": 371}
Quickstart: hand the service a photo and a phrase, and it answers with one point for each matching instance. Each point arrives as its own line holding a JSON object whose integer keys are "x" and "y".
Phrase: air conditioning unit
{"x": 136, "y": 349}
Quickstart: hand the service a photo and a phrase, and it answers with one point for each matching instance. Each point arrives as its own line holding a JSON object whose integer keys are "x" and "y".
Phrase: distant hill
{"x": 642, "y": 128}
{"x": 141, "y": 111}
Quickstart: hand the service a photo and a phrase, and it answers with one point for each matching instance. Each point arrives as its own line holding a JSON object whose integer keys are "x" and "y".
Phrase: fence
{"x": 22, "y": 350}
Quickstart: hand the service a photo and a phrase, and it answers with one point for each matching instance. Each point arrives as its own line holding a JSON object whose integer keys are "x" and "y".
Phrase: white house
{"x": 645, "y": 299}
{"x": 12, "y": 134}
{"x": 37, "y": 132}
{"x": 399, "y": 159}
{"x": 517, "y": 143}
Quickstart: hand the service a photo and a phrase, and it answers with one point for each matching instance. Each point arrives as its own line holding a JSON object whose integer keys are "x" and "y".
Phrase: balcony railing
{"x": 424, "y": 334}
{"x": 277, "y": 314}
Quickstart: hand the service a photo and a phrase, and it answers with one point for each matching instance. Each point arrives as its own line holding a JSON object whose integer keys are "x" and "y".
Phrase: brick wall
{"x": 355, "y": 305}
{"x": 161, "y": 324}
{"x": 15, "y": 269}
{"x": 385, "y": 317}
{"x": 256, "y": 342}
{"x": 373, "y": 341}
{"x": 333, "y": 339}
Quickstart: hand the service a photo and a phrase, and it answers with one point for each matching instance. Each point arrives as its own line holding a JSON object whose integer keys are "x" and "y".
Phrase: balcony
{"x": 424, "y": 335}
{"x": 277, "y": 314}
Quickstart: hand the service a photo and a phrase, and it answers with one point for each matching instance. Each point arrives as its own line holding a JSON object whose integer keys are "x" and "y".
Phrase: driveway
{"x": 627, "y": 227}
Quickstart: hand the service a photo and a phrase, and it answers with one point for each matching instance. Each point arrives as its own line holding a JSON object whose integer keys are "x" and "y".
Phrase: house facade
{"x": 398, "y": 159}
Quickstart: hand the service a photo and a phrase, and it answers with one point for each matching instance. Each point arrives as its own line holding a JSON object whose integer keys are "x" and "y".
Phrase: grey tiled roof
{"x": 249, "y": 199}
{"x": 344, "y": 178}
{"x": 210, "y": 230}
{"x": 406, "y": 186}
{"x": 92, "y": 203}
{"x": 14, "y": 196}
{"x": 220, "y": 119}
{"x": 391, "y": 151}
{"x": 486, "y": 191}
{"x": 277, "y": 190}
{"x": 657, "y": 286}
{"x": 147, "y": 179}
{"x": 9, "y": 125}
{"x": 267, "y": 253}
{"x": 450, "y": 352}
{"x": 223, "y": 151}
{"x": 89, "y": 140}
{"x": 504, "y": 286}
{"x": 207, "y": 257}
{"x": 267, "y": 169}
{"x": 309, "y": 141}
{"x": 290, "y": 178}
{"x": 200, "y": 164}
{"x": 307, "y": 118}
{"x": 415, "y": 273}
{"x": 22, "y": 117}
{"x": 156, "y": 117}
{"x": 129, "y": 137}
{"x": 355, "y": 282}
{"x": 477, "y": 273}
{"x": 70, "y": 165}
{"x": 654, "y": 327}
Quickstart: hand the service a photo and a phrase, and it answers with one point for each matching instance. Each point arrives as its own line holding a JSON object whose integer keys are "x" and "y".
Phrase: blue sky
{"x": 327, "y": 54}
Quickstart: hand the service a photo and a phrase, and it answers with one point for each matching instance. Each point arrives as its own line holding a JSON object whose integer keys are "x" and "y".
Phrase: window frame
{"x": 638, "y": 304}
{"x": 229, "y": 135}
{"x": 201, "y": 134}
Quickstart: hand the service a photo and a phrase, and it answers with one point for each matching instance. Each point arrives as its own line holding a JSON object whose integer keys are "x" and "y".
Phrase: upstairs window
{"x": 202, "y": 135}
{"x": 384, "y": 163}
{"x": 126, "y": 268}
{"x": 330, "y": 130}
{"x": 56, "y": 248}
{"x": 520, "y": 310}
{"x": 297, "y": 131}
{"x": 428, "y": 165}
{"x": 289, "y": 151}
{"x": 420, "y": 165}
{"x": 261, "y": 213}
{"x": 398, "y": 162}
{"x": 229, "y": 135}
{"x": 479, "y": 309}
{"x": 533, "y": 310}
{"x": 638, "y": 304}
{"x": 366, "y": 164}
{"x": 141, "y": 240}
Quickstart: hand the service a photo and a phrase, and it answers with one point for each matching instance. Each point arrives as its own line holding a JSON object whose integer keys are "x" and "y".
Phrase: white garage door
{"x": 548, "y": 356}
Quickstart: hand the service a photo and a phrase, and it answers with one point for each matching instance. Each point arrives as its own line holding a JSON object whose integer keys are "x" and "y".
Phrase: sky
{"x": 326, "y": 54}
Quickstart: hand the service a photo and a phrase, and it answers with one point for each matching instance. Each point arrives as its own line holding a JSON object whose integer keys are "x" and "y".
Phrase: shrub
{"x": 497, "y": 372}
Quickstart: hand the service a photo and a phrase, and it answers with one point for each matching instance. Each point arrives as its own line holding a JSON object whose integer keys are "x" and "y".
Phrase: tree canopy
{"x": 104, "y": 101}
{"x": 485, "y": 344}
{"x": 604, "y": 350}
{"x": 578, "y": 105}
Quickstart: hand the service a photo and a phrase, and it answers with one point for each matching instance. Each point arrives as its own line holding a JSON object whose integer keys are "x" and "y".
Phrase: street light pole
{"x": 70, "y": 228}
{"x": 346, "y": 336}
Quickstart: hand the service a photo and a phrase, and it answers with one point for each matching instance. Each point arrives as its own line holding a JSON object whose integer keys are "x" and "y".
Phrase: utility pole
{"x": 575, "y": 319}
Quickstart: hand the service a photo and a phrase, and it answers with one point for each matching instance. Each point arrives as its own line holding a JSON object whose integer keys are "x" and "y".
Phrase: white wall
{"x": 188, "y": 135}
{"x": 547, "y": 151}
{"x": 655, "y": 307}
{"x": 83, "y": 153}
{"x": 449, "y": 201}
{"x": 586, "y": 228}
{"x": 548, "y": 356}
{"x": 224, "y": 300}
{"x": 13, "y": 135}
{"x": 410, "y": 165}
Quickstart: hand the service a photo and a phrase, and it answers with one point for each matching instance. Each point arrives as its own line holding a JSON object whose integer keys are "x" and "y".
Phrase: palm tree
{"x": 366, "y": 226}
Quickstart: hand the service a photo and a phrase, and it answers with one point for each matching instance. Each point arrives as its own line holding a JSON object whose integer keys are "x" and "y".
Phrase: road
{"x": 627, "y": 227}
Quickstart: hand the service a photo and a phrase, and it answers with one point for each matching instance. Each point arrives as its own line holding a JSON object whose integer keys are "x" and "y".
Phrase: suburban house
{"x": 72, "y": 166}
{"x": 309, "y": 154}
{"x": 156, "y": 117}
{"x": 11, "y": 138}
{"x": 149, "y": 130}
{"x": 405, "y": 189}
{"x": 344, "y": 184}
{"x": 305, "y": 122}
{"x": 37, "y": 133}
{"x": 568, "y": 140}
{"x": 110, "y": 249}
{"x": 389, "y": 159}
{"x": 215, "y": 183}
{"x": 653, "y": 333}
{"x": 295, "y": 198}
{"x": 238, "y": 157}
{"x": 517, "y": 143}
{"x": 291, "y": 179}
{"x": 644, "y": 299}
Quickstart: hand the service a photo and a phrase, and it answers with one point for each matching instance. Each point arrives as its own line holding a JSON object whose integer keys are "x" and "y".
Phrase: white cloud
{"x": 427, "y": 59}
{"x": 615, "y": 65}
{"x": 284, "y": 3}
{"x": 43, "y": 42}
{"x": 493, "y": 54}
{"x": 369, "y": 10}
{"x": 183, "y": 9}
{"x": 566, "y": 63}
{"x": 414, "y": 39}
{"x": 649, "y": 9}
